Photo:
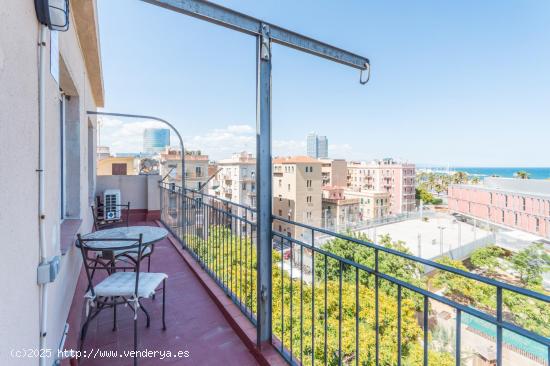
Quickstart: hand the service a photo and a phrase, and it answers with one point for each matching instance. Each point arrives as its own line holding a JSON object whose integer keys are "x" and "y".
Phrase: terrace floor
{"x": 194, "y": 322}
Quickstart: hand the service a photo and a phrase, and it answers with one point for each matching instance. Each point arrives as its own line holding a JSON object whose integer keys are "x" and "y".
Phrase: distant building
{"x": 317, "y": 146}
{"x": 103, "y": 152}
{"x": 196, "y": 167}
{"x": 339, "y": 211}
{"x": 297, "y": 194}
{"x": 334, "y": 172}
{"x": 322, "y": 147}
{"x": 115, "y": 165}
{"x": 155, "y": 140}
{"x": 522, "y": 204}
{"x": 372, "y": 204}
{"x": 236, "y": 179}
{"x": 385, "y": 176}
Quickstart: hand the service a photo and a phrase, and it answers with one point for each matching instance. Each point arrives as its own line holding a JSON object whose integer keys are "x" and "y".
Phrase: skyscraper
{"x": 317, "y": 146}
{"x": 322, "y": 147}
{"x": 155, "y": 139}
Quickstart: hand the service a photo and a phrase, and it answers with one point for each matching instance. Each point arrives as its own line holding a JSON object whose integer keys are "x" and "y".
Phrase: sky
{"x": 459, "y": 83}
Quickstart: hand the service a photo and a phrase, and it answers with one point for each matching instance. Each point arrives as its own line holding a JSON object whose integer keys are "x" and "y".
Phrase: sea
{"x": 534, "y": 173}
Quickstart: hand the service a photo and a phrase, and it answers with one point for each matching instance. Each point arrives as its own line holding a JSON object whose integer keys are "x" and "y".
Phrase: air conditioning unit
{"x": 111, "y": 202}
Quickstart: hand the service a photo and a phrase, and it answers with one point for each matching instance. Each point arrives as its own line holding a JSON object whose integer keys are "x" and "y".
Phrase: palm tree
{"x": 475, "y": 180}
{"x": 521, "y": 174}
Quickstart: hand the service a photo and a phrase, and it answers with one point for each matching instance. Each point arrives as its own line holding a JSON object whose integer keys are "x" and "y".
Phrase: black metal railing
{"x": 340, "y": 299}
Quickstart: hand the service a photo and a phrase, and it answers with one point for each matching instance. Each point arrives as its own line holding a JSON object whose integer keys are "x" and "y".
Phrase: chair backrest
{"x": 93, "y": 262}
{"x": 94, "y": 215}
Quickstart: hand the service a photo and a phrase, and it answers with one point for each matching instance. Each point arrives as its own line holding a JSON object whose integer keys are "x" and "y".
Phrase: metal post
{"x": 264, "y": 177}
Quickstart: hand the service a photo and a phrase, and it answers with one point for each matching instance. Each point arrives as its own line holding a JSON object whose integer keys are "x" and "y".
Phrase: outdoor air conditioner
{"x": 111, "y": 201}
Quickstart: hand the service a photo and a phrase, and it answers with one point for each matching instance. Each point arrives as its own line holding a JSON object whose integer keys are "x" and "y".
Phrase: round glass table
{"x": 151, "y": 235}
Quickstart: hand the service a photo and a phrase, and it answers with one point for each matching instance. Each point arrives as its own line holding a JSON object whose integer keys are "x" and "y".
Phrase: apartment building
{"x": 235, "y": 179}
{"x": 522, "y": 204}
{"x": 397, "y": 179}
{"x": 196, "y": 167}
{"x": 334, "y": 172}
{"x": 372, "y": 205}
{"x": 339, "y": 212}
{"x": 297, "y": 193}
{"x": 48, "y": 79}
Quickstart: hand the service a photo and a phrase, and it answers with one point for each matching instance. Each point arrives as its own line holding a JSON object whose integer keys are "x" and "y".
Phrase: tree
{"x": 521, "y": 174}
{"x": 459, "y": 178}
{"x": 531, "y": 263}
{"x": 487, "y": 258}
{"x": 475, "y": 180}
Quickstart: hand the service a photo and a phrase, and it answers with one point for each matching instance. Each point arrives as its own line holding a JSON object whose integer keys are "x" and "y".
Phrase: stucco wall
{"x": 19, "y": 315}
{"x": 142, "y": 191}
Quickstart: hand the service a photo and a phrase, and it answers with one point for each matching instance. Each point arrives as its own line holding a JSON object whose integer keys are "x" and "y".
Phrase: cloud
{"x": 124, "y": 136}
{"x": 219, "y": 143}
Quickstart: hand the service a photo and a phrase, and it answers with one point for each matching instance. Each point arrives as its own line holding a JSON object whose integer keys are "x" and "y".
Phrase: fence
{"x": 347, "y": 301}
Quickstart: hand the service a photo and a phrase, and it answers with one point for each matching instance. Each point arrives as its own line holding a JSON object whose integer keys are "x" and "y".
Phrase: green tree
{"x": 531, "y": 263}
{"x": 487, "y": 258}
{"x": 521, "y": 174}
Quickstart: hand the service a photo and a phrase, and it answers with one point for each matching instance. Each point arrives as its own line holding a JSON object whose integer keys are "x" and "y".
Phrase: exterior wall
{"x": 192, "y": 162}
{"x": 515, "y": 209}
{"x": 19, "y": 36}
{"x": 105, "y": 166}
{"x": 298, "y": 200}
{"x": 372, "y": 205}
{"x": 397, "y": 179}
{"x": 142, "y": 191}
{"x": 334, "y": 172}
{"x": 236, "y": 180}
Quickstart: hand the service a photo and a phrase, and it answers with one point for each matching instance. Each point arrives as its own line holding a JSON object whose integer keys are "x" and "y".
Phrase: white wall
{"x": 19, "y": 308}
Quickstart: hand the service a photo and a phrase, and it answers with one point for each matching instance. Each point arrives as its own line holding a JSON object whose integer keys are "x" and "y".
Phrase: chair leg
{"x": 145, "y": 312}
{"x": 84, "y": 330}
{"x": 163, "y": 304}
{"x": 114, "y": 316}
{"x": 135, "y": 337}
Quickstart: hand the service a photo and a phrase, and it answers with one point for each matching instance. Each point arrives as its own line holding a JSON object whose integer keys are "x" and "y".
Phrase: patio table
{"x": 151, "y": 235}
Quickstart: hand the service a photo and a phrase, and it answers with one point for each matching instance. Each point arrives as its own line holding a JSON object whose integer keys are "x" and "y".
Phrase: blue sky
{"x": 454, "y": 82}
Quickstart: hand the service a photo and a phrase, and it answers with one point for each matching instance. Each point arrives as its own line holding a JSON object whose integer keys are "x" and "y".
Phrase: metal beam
{"x": 264, "y": 186}
{"x": 232, "y": 19}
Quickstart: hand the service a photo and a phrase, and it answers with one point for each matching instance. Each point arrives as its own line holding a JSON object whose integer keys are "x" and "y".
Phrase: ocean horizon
{"x": 505, "y": 172}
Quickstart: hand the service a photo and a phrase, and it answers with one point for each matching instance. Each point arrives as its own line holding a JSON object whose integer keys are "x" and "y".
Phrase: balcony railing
{"x": 340, "y": 299}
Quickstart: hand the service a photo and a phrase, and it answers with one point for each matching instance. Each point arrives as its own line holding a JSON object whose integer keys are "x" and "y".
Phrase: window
{"x": 506, "y": 201}
{"x": 70, "y": 165}
{"x": 280, "y": 214}
{"x": 119, "y": 169}
{"x": 502, "y": 216}
{"x": 198, "y": 171}
{"x": 253, "y": 187}
{"x": 523, "y": 203}
{"x": 280, "y": 182}
{"x": 308, "y": 199}
{"x": 289, "y": 187}
{"x": 491, "y": 198}
{"x": 516, "y": 219}
{"x": 537, "y": 224}
{"x": 244, "y": 186}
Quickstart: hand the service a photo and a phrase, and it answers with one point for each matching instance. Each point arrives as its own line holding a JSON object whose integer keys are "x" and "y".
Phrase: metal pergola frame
{"x": 265, "y": 34}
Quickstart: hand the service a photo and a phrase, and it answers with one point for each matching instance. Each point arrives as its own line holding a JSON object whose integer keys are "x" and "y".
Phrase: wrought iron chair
{"x": 101, "y": 223}
{"x": 118, "y": 287}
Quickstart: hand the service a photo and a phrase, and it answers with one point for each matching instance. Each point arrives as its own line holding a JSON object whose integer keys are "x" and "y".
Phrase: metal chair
{"x": 101, "y": 222}
{"x": 118, "y": 287}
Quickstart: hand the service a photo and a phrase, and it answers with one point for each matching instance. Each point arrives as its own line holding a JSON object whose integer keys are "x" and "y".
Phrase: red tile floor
{"x": 194, "y": 322}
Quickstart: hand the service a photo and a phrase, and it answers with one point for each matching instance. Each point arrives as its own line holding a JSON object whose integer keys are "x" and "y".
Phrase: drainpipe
{"x": 43, "y": 287}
